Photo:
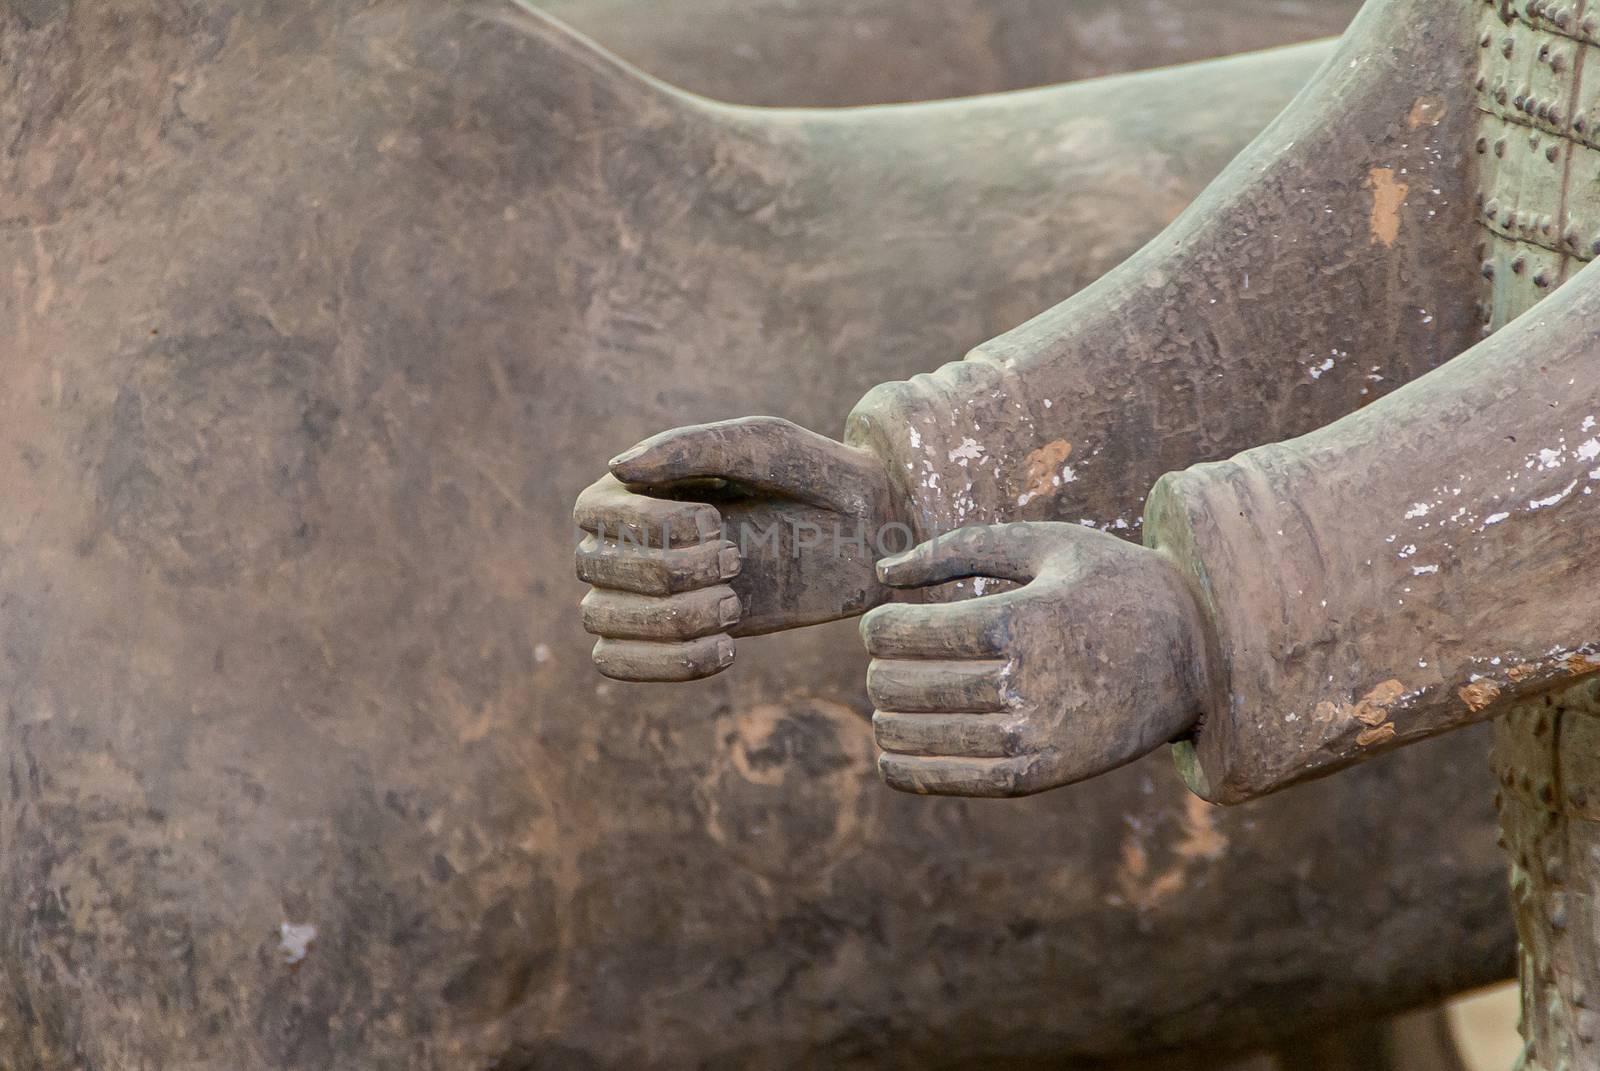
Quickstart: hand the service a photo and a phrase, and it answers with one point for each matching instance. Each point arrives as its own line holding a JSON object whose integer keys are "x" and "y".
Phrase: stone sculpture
{"x": 1417, "y": 565}
{"x": 319, "y": 315}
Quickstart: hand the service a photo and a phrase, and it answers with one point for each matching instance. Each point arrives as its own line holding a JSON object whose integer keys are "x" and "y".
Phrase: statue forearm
{"x": 1317, "y": 272}
{"x": 1414, "y": 567}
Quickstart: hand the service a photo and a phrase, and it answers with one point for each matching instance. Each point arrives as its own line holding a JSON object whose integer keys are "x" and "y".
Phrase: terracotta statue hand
{"x": 714, "y": 531}
{"x": 1097, "y": 659}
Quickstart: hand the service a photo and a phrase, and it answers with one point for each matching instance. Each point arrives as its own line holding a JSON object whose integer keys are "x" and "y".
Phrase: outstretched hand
{"x": 1095, "y": 660}
{"x": 738, "y": 528}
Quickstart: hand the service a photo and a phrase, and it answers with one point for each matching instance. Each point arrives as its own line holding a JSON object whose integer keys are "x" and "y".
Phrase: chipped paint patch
{"x": 969, "y": 450}
{"x": 1427, "y": 111}
{"x": 1388, "y": 194}
{"x": 1579, "y": 664}
{"x": 1373, "y": 707}
{"x": 1479, "y": 694}
{"x": 1039, "y": 470}
{"x": 1368, "y": 737}
{"x": 1371, "y": 710}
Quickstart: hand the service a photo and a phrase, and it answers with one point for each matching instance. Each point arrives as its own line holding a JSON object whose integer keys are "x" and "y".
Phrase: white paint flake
{"x": 295, "y": 940}
{"x": 969, "y": 450}
{"x": 1541, "y": 503}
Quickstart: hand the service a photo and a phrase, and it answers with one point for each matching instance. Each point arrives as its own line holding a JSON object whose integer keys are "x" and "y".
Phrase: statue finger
{"x": 608, "y": 509}
{"x": 922, "y": 686}
{"x": 935, "y": 776}
{"x": 1001, "y": 551}
{"x": 625, "y": 616}
{"x": 646, "y": 661}
{"x": 766, "y": 454}
{"x": 976, "y": 736}
{"x": 621, "y": 566}
{"x": 976, "y": 628}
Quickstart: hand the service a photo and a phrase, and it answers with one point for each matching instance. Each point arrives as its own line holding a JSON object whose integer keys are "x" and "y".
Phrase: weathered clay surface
{"x": 319, "y": 317}
{"x": 1482, "y": 609}
{"x": 835, "y": 52}
{"x": 1539, "y": 206}
{"x": 1411, "y": 568}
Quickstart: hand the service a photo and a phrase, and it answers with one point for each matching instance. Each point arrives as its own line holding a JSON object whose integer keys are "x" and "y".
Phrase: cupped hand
{"x": 1097, "y": 658}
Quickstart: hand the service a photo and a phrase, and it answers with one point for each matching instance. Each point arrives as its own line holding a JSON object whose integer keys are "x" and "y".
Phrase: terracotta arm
{"x": 1306, "y": 280}
{"x": 667, "y": 611}
{"x": 1414, "y": 567}
{"x": 1320, "y": 270}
